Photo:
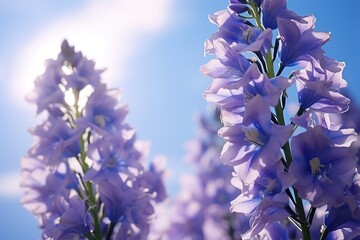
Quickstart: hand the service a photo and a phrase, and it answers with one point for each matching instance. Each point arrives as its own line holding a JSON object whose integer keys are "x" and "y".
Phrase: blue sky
{"x": 152, "y": 51}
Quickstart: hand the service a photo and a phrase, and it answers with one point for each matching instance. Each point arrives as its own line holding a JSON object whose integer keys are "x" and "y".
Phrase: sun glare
{"x": 98, "y": 31}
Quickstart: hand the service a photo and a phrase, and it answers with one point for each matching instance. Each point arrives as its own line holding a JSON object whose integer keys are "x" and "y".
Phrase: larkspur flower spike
{"x": 85, "y": 176}
{"x": 201, "y": 209}
{"x": 291, "y": 172}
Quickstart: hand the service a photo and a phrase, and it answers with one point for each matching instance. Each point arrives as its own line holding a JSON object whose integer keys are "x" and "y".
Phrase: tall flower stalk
{"x": 286, "y": 169}
{"x": 85, "y": 176}
{"x": 200, "y": 210}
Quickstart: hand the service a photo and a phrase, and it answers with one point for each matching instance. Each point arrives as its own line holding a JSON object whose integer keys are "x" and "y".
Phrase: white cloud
{"x": 109, "y": 31}
{"x": 10, "y": 185}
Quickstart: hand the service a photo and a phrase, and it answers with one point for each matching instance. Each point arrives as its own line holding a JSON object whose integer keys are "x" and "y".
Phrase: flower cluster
{"x": 201, "y": 209}
{"x": 285, "y": 169}
{"x": 85, "y": 176}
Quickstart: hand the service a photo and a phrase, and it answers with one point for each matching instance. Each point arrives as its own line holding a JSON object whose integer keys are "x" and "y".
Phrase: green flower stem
{"x": 89, "y": 236}
{"x": 255, "y": 14}
{"x": 288, "y": 157}
{"x": 91, "y": 198}
{"x": 269, "y": 64}
{"x": 302, "y": 216}
{"x": 110, "y": 230}
{"x": 231, "y": 229}
{"x": 324, "y": 234}
{"x": 83, "y": 163}
{"x": 89, "y": 192}
{"x": 305, "y": 227}
{"x": 311, "y": 214}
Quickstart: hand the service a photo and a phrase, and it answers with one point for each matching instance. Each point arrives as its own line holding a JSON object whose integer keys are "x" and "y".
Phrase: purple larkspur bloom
{"x": 274, "y": 180}
{"x": 272, "y": 10}
{"x": 46, "y": 94}
{"x": 238, "y": 34}
{"x": 351, "y": 118}
{"x": 42, "y": 185}
{"x": 240, "y": 6}
{"x": 345, "y": 220}
{"x": 341, "y": 218}
{"x": 234, "y": 96}
{"x": 112, "y": 156}
{"x": 78, "y": 71}
{"x": 130, "y": 208}
{"x": 267, "y": 211}
{"x": 228, "y": 66}
{"x": 276, "y": 230}
{"x": 320, "y": 92}
{"x": 312, "y": 117}
{"x": 256, "y": 142}
{"x": 300, "y": 41}
{"x": 320, "y": 167}
{"x": 101, "y": 112}
{"x": 49, "y": 220}
{"x": 265, "y": 198}
{"x": 340, "y": 137}
{"x": 311, "y": 91}
{"x": 331, "y": 70}
{"x": 45, "y": 192}
{"x": 75, "y": 222}
{"x": 68, "y": 55}
{"x": 71, "y": 70}
{"x": 344, "y": 234}
{"x": 56, "y": 141}
{"x": 152, "y": 179}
